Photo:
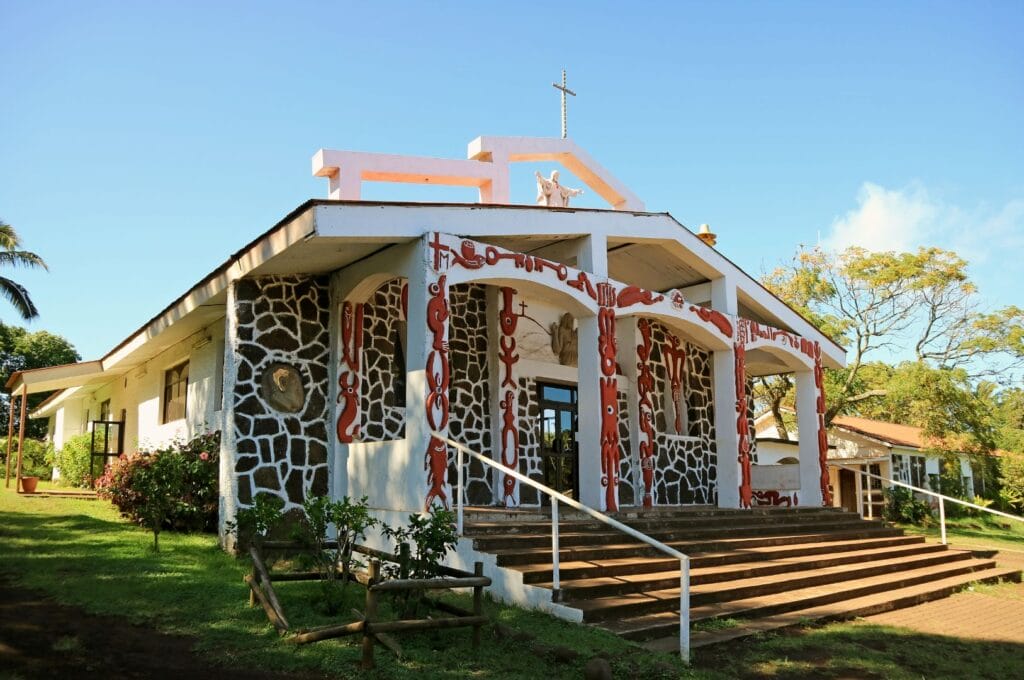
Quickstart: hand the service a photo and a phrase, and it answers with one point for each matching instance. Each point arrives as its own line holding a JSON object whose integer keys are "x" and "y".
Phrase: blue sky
{"x": 143, "y": 143}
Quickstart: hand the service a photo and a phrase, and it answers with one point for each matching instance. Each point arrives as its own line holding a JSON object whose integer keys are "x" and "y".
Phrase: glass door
{"x": 558, "y": 448}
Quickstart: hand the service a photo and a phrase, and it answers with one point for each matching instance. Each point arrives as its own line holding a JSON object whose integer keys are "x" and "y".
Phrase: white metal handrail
{"x": 556, "y": 498}
{"x": 942, "y": 499}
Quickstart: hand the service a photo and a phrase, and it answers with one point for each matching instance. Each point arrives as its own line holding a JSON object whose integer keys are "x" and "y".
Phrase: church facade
{"x": 607, "y": 354}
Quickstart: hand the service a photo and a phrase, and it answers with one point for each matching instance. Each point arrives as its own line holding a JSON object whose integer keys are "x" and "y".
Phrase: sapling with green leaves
{"x": 350, "y": 520}
{"x": 429, "y": 537}
{"x": 255, "y": 522}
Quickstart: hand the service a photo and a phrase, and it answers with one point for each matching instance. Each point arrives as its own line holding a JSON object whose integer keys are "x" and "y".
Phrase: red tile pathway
{"x": 993, "y": 613}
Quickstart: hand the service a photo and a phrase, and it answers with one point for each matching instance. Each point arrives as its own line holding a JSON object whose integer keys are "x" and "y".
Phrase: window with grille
{"x": 175, "y": 392}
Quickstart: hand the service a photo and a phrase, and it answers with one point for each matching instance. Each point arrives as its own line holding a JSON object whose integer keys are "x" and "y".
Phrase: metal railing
{"x": 942, "y": 499}
{"x": 556, "y": 498}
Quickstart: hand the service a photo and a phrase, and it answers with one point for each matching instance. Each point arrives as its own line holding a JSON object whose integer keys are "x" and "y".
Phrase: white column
{"x": 345, "y": 184}
{"x": 726, "y": 435}
{"x": 807, "y": 426}
{"x": 228, "y": 502}
{"x": 420, "y": 472}
{"x": 593, "y": 255}
{"x": 723, "y": 295}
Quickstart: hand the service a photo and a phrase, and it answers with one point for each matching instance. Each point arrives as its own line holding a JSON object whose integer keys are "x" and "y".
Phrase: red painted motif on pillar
{"x": 675, "y": 365}
{"x": 775, "y": 498}
{"x": 438, "y": 378}
{"x": 742, "y": 422}
{"x": 609, "y": 397}
{"x": 715, "y": 318}
{"x": 644, "y": 388}
{"x": 349, "y": 377}
{"x": 819, "y": 384}
{"x": 508, "y": 388}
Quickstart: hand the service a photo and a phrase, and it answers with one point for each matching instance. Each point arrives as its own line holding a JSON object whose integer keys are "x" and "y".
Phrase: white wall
{"x": 140, "y": 392}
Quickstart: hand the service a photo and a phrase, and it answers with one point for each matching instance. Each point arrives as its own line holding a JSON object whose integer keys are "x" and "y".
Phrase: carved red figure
{"x": 508, "y": 321}
{"x": 631, "y": 295}
{"x": 742, "y": 424}
{"x": 776, "y": 498}
{"x": 438, "y": 377}
{"x": 675, "y": 364}
{"x": 819, "y": 384}
{"x": 715, "y": 318}
{"x": 610, "y": 442}
{"x": 349, "y": 378}
{"x": 609, "y": 399}
{"x": 644, "y": 388}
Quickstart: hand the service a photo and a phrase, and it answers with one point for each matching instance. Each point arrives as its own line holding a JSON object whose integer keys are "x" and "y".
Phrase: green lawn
{"x": 983, "y": 532}
{"x": 82, "y": 553}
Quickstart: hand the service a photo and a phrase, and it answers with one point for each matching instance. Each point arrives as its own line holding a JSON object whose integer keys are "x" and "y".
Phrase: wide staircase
{"x": 751, "y": 570}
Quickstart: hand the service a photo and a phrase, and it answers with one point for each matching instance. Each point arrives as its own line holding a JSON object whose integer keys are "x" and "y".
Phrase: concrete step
{"x": 668, "y": 534}
{"x": 480, "y": 529}
{"x": 520, "y": 555}
{"x": 859, "y": 606}
{"x": 719, "y": 586}
{"x": 726, "y": 561}
{"x": 635, "y": 619}
{"x": 484, "y": 515}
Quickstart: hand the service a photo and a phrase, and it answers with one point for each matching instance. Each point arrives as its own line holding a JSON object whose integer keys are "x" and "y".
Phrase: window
{"x": 175, "y": 392}
{"x": 917, "y": 475}
{"x": 105, "y": 410}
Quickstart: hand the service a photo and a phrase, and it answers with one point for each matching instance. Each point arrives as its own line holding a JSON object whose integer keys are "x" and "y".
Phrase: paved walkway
{"x": 977, "y": 615}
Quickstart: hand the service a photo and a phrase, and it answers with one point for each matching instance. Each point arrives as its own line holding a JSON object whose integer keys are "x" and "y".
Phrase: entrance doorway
{"x": 558, "y": 449}
{"x": 848, "y": 490}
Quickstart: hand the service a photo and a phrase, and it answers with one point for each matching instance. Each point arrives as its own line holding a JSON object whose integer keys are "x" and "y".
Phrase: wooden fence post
{"x": 369, "y": 613}
{"x": 478, "y": 597}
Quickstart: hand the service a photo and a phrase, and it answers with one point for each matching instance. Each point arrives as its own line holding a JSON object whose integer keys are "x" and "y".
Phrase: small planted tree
{"x": 158, "y": 479}
{"x": 427, "y": 539}
{"x": 254, "y": 524}
{"x": 351, "y": 520}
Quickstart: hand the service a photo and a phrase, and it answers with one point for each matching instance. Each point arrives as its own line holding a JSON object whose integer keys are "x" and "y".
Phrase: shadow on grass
{"x": 858, "y": 650}
{"x": 86, "y": 555}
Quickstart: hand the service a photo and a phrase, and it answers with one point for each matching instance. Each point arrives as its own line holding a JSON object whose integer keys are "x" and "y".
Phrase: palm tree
{"x": 10, "y": 255}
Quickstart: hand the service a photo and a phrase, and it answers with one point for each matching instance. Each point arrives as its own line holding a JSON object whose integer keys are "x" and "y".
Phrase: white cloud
{"x": 990, "y": 238}
{"x": 888, "y": 219}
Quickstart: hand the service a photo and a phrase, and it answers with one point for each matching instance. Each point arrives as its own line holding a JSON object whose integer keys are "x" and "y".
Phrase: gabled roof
{"x": 652, "y": 250}
{"x": 889, "y": 433}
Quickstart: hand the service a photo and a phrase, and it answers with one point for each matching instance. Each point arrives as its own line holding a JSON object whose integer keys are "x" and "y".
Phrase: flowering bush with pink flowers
{"x": 172, "y": 487}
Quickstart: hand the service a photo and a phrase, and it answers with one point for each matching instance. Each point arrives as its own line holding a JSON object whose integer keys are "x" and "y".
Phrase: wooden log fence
{"x": 374, "y": 631}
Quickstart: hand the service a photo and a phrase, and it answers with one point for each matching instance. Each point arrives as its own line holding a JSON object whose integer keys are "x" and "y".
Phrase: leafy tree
{"x": 11, "y": 255}
{"x": 920, "y": 303}
{"x": 21, "y": 350}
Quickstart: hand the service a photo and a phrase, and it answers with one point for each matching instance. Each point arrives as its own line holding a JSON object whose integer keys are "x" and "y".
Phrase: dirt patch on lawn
{"x": 40, "y": 638}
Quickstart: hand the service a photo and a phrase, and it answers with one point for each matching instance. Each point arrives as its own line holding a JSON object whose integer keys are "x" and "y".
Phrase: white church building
{"x": 606, "y": 353}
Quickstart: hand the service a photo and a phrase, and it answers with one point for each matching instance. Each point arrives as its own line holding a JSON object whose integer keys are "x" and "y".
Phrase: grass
{"x": 858, "y": 650}
{"x": 82, "y": 553}
{"x": 984, "y": 532}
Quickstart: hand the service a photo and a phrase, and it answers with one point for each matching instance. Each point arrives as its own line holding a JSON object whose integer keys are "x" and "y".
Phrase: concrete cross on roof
{"x": 565, "y": 90}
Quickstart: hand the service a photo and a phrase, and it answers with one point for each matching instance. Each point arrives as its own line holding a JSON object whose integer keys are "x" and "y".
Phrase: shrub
{"x": 255, "y": 522}
{"x": 429, "y": 539}
{"x": 174, "y": 487}
{"x": 350, "y": 520}
{"x": 901, "y": 506}
{"x": 73, "y": 460}
{"x": 37, "y": 459}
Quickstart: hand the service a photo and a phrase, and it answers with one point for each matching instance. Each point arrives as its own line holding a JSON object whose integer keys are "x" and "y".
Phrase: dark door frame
{"x": 558, "y": 458}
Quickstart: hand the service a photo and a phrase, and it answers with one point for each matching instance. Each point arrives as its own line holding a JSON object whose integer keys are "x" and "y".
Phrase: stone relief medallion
{"x": 282, "y": 388}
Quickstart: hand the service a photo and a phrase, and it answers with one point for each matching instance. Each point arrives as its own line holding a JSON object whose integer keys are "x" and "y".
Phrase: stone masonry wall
{"x": 282, "y": 326}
